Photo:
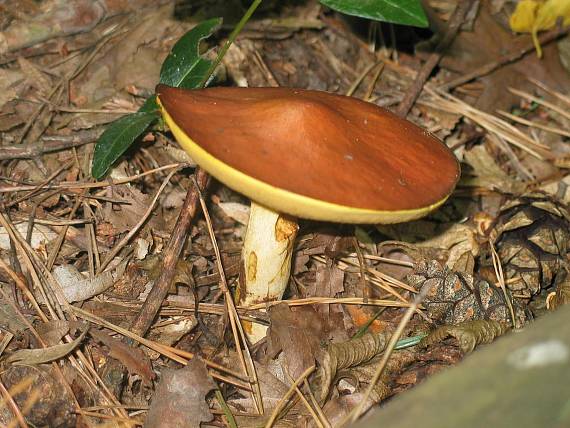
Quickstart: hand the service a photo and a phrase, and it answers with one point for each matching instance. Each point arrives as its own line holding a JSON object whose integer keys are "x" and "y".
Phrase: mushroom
{"x": 299, "y": 153}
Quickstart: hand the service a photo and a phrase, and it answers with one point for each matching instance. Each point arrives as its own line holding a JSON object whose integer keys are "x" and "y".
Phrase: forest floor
{"x": 79, "y": 256}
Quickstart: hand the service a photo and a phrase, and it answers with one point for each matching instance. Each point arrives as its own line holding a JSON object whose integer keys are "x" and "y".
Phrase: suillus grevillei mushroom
{"x": 299, "y": 153}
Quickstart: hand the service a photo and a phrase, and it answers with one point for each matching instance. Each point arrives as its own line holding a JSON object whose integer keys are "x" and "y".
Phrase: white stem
{"x": 266, "y": 261}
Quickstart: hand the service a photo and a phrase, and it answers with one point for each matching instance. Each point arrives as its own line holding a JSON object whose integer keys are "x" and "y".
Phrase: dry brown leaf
{"x": 124, "y": 216}
{"x": 133, "y": 60}
{"x": 336, "y": 410}
{"x": 180, "y": 397}
{"x": 235, "y": 210}
{"x": 272, "y": 386}
{"x": 7, "y": 80}
{"x": 30, "y": 357}
{"x": 134, "y": 359}
{"x": 9, "y": 319}
{"x": 171, "y": 333}
{"x": 297, "y": 333}
{"x": 487, "y": 174}
{"x": 53, "y": 331}
{"x": 76, "y": 287}
{"x": 453, "y": 239}
{"x": 329, "y": 280}
{"x": 41, "y": 235}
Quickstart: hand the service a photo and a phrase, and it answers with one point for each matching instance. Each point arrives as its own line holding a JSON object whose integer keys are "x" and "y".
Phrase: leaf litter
{"x": 62, "y": 88}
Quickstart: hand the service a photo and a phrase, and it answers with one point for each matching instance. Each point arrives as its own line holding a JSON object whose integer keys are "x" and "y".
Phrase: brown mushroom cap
{"x": 328, "y": 149}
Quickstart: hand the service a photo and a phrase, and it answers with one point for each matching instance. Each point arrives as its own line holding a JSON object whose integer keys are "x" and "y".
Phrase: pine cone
{"x": 531, "y": 235}
{"x": 455, "y": 297}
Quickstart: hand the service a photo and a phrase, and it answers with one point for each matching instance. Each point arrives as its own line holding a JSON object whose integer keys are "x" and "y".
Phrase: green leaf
{"x": 405, "y": 12}
{"x": 185, "y": 67}
{"x": 117, "y": 138}
{"x": 149, "y": 105}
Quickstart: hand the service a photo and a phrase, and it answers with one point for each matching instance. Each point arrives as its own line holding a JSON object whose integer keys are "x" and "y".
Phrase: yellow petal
{"x": 523, "y": 18}
{"x": 532, "y": 16}
{"x": 550, "y": 11}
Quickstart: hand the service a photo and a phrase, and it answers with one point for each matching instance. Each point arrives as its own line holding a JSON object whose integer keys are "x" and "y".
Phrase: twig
{"x": 49, "y": 144}
{"x": 61, "y": 236}
{"x": 318, "y": 409}
{"x": 26, "y": 253}
{"x": 25, "y": 291}
{"x": 58, "y": 88}
{"x": 509, "y": 57}
{"x": 354, "y": 86}
{"x": 330, "y": 301}
{"x": 452, "y": 29}
{"x": 172, "y": 253}
{"x": 115, "y": 420}
{"x": 373, "y": 82}
{"x": 362, "y": 269}
{"x": 312, "y": 412}
{"x": 447, "y": 102}
{"x": 86, "y": 185}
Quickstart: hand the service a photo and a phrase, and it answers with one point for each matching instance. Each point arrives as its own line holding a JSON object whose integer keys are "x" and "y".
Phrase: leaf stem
{"x": 233, "y": 35}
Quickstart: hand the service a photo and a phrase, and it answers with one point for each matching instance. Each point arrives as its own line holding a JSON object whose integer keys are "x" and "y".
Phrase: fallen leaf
{"x": 30, "y": 357}
{"x": 123, "y": 217}
{"x": 76, "y": 287}
{"x": 235, "y": 210}
{"x": 7, "y": 80}
{"x": 486, "y": 173}
{"x": 41, "y": 235}
{"x": 272, "y": 389}
{"x": 296, "y": 333}
{"x": 10, "y": 320}
{"x": 179, "y": 399}
{"x": 134, "y": 359}
{"x": 53, "y": 331}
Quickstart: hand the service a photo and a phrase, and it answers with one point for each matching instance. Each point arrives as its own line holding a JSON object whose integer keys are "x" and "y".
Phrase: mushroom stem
{"x": 266, "y": 261}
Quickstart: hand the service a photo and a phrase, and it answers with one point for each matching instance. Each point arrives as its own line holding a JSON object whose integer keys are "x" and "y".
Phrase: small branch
{"x": 49, "y": 144}
{"x": 157, "y": 294}
{"x": 453, "y": 27}
{"x": 509, "y": 57}
{"x": 67, "y": 185}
